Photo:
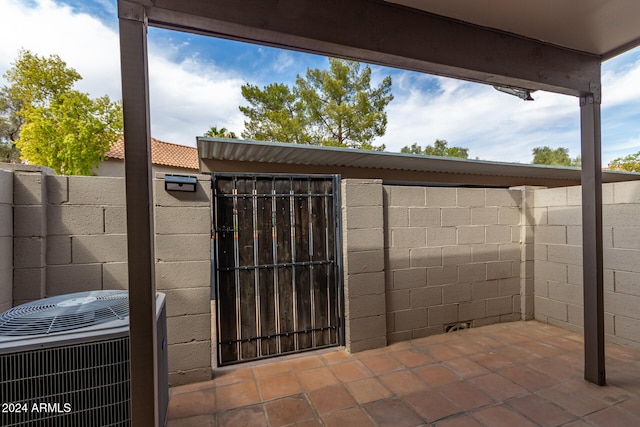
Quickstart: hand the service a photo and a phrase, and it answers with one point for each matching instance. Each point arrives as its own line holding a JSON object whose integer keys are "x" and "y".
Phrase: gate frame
{"x": 338, "y": 247}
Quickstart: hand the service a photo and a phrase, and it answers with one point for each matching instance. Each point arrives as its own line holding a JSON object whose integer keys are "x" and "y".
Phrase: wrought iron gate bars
{"x": 332, "y": 274}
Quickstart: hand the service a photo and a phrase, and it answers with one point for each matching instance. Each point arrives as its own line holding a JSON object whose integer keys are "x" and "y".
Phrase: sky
{"x": 195, "y": 83}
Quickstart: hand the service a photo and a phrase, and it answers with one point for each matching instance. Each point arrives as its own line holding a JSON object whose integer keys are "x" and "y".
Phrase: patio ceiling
{"x": 602, "y": 28}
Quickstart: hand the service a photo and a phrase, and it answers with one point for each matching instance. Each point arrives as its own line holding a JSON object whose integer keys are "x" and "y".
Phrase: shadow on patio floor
{"x": 510, "y": 374}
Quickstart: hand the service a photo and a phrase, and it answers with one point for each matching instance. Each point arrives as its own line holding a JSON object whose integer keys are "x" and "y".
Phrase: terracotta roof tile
{"x": 163, "y": 153}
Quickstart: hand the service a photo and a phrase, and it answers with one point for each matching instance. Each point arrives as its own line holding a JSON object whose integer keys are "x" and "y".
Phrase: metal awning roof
{"x": 222, "y": 149}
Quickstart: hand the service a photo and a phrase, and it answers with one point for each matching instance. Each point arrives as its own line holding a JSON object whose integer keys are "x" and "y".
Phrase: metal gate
{"x": 276, "y": 264}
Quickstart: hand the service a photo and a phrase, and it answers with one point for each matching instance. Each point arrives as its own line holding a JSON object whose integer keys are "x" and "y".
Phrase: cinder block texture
{"x": 472, "y": 253}
{"x": 92, "y": 190}
{"x": 6, "y": 187}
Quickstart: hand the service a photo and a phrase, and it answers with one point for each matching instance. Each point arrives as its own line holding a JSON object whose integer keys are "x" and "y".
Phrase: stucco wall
{"x": 558, "y": 259}
{"x": 452, "y": 255}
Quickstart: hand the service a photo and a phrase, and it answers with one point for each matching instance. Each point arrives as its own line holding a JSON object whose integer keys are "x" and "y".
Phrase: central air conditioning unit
{"x": 64, "y": 361}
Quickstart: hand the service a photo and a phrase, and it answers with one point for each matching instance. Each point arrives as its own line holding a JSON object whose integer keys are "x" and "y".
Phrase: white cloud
{"x": 186, "y": 97}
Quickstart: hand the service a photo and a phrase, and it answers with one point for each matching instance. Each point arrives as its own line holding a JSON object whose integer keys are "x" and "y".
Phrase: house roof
{"x": 219, "y": 154}
{"x": 162, "y": 153}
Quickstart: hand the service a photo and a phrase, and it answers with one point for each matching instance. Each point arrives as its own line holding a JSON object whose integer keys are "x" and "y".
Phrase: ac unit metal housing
{"x": 64, "y": 361}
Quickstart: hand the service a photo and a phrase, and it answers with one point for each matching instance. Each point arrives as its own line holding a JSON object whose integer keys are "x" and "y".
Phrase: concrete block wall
{"x": 86, "y": 234}
{"x": 363, "y": 258}
{"x": 6, "y": 240}
{"x": 30, "y": 229}
{"x": 558, "y": 259}
{"x": 183, "y": 269}
{"x": 451, "y": 256}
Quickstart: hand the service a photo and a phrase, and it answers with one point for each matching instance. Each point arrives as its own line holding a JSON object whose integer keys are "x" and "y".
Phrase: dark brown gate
{"x": 277, "y": 270}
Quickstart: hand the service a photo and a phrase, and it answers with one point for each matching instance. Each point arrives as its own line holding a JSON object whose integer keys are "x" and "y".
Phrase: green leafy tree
{"x": 334, "y": 107}
{"x": 61, "y": 128}
{"x": 10, "y": 123}
{"x": 275, "y": 114}
{"x": 630, "y": 163}
{"x": 214, "y": 132}
{"x": 558, "y": 157}
{"x": 439, "y": 148}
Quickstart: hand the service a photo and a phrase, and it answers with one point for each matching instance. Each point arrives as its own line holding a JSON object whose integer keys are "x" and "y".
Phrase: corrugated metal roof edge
{"x": 257, "y": 151}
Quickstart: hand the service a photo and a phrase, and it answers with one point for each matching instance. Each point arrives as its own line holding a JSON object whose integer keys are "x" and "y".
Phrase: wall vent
{"x": 457, "y": 327}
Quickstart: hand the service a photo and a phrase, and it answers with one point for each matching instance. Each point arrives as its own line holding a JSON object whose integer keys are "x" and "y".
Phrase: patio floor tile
{"x": 485, "y": 376}
{"x": 402, "y": 382}
{"x": 354, "y": 417}
{"x": 436, "y": 375}
{"x": 330, "y": 399}
{"x": 544, "y": 412}
{"x": 288, "y": 410}
{"x": 432, "y": 405}
{"x": 312, "y": 379}
{"x": 368, "y": 390}
{"x": 278, "y": 386}
{"x": 501, "y": 416}
{"x": 465, "y": 395}
{"x": 392, "y": 413}
{"x": 351, "y": 371}
{"x": 249, "y": 416}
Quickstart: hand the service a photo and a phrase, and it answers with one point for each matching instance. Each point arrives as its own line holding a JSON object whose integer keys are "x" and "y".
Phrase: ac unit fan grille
{"x": 64, "y": 313}
{"x": 92, "y": 378}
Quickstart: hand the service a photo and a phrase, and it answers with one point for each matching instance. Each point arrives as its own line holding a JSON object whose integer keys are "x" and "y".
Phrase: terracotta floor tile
{"x": 632, "y": 406}
{"x": 498, "y": 386}
{"x": 465, "y": 395}
{"x": 541, "y": 348}
{"x": 351, "y": 371}
{"x": 613, "y": 417}
{"x": 432, "y": 405}
{"x": 501, "y": 416}
{"x": 403, "y": 382}
{"x": 288, "y": 410}
{"x": 337, "y": 356}
{"x": 540, "y": 410}
{"x": 232, "y": 376}
{"x": 609, "y": 394}
{"x": 312, "y": 379}
{"x": 354, "y": 417}
{"x": 442, "y": 352}
{"x": 574, "y": 401}
{"x": 307, "y": 362}
{"x": 392, "y": 413}
{"x": 460, "y": 421}
{"x": 492, "y": 360}
{"x": 307, "y": 423}
{"x": 528, "y": 378}
{"x": 197, "y": 421}
{"x": 466, "y": 368}
{"x": 278, "y": 386}
{"x": 368, "y": 390}
{"x": 249, "y": 416}
{"x": 185, "y": 405}
{"x": 382, "y": 363}
{"x": 271, "y": 369}
{"x": 557, "y": 368}
{"x": 436, "y": 375}
{"x": 412, "y": 358}
{"x": 331, "y": 399}
{"x": 236, "y": 395}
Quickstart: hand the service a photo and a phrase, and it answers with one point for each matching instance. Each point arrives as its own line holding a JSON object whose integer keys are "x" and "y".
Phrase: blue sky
{"x": 195, "y": 83}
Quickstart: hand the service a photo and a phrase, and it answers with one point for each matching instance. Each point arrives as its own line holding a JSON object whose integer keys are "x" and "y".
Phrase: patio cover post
{"x": 592, "y": 258}
{"x": 139, "y": 197}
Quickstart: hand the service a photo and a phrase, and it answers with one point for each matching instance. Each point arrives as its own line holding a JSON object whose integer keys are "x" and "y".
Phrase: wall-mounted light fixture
{"x": 524, "y": 94}
{"x": 180, "y": 183}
